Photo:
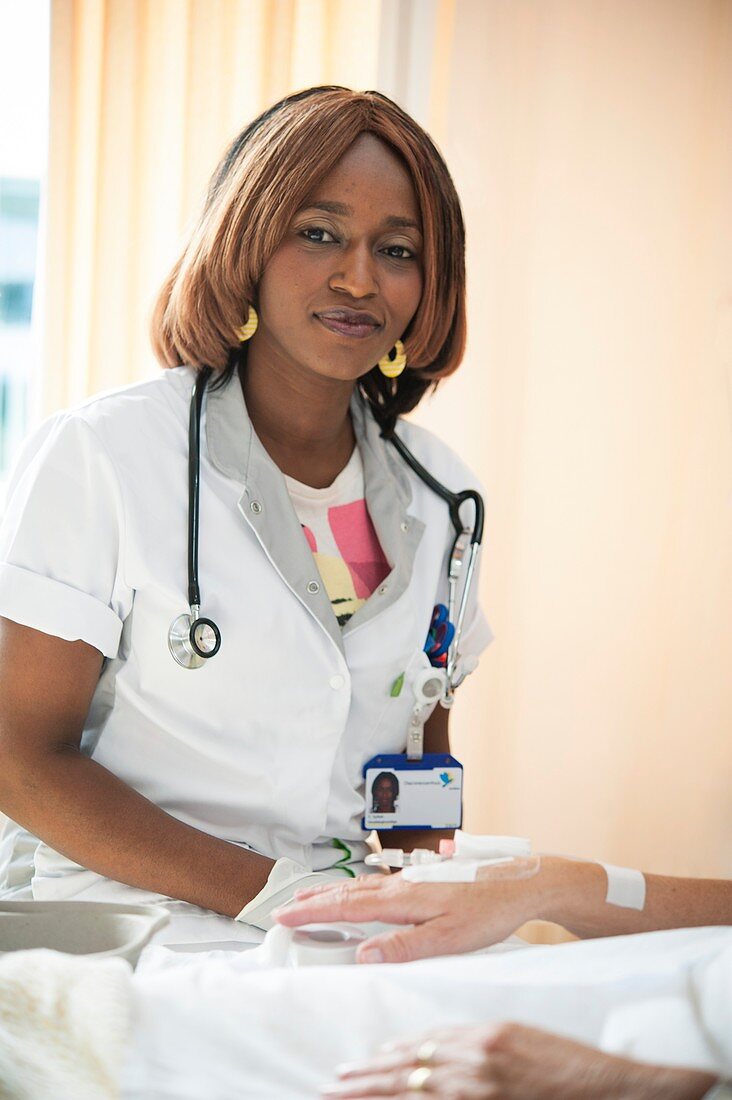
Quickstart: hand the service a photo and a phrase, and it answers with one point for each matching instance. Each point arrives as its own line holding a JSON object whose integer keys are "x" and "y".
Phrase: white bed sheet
{"x": 215, "y": 1024}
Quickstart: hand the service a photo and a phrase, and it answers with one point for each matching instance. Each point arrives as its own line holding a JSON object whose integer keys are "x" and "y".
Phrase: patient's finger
{"x": 344, "y": 902}
{"x": 311, "y": 891}
{"x": 443, "y": 1038}
{"x": 407, "y": 1053}
{"x": 382, "y": 1062}
{"x": 420, "y": 941}
{"x": 376, "y": 1084}
{"x": 368, "y": 882}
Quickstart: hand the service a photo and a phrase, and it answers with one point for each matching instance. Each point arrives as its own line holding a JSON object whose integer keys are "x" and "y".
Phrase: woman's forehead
{"x": 371, "y": 173}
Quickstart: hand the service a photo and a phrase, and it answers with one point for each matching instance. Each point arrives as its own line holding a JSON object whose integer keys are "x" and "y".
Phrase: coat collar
{"x": 236, "y": 451}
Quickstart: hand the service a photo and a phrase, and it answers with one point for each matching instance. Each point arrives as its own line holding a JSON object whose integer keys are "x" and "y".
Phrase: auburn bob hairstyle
{"x": 265, "y": 176}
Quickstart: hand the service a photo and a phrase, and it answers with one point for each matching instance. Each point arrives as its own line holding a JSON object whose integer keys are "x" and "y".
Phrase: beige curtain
{"x": 591, "y": 141}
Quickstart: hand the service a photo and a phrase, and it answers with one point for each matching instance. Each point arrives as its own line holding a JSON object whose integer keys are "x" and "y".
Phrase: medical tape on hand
{"x": 489, "y": 847}
{"x": 625, "y": 887}
{"x": 451, "y": 870}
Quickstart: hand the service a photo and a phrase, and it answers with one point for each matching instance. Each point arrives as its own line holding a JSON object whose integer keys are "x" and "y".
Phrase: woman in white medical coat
{"x": 333, "y": 223}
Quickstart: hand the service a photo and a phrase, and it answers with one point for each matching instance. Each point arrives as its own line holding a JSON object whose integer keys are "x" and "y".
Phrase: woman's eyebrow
{"x": 394, "y": 221}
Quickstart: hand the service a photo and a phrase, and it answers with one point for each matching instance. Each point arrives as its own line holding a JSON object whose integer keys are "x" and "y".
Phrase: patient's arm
{"x": 80, "y": 808}
{"x": 509, "y": 1061}
{"x": 449, "y": 918}
{"x": 578, "y": 902}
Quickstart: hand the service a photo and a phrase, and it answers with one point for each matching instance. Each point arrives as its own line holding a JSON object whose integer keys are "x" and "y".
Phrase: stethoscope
{"x": 193, "y": 639}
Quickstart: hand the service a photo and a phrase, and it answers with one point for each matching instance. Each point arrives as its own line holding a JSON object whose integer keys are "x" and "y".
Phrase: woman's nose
{"x": 356, "y": 273}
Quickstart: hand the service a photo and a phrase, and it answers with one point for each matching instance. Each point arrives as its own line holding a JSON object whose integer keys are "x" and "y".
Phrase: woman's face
{"x": 383, "y": 792}
{"x": 352, "y": 253}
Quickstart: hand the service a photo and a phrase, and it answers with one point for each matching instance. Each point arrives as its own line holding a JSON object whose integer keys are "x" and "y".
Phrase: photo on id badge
{"x": 423, "y": 794}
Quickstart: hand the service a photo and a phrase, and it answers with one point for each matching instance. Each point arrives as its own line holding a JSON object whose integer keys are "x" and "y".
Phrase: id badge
{"x": 413, "y": 794}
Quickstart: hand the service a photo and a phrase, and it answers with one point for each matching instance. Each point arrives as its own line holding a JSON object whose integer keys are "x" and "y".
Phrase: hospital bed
{"x": 221, "y": 1024}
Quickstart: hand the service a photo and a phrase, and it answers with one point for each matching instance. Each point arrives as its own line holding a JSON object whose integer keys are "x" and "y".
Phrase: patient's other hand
{"x": 509, "y": 1061}
{"x": 447, "y": 918}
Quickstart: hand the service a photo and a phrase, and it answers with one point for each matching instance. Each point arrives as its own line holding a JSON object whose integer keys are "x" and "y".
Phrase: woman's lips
{"x": 347, "y": 328}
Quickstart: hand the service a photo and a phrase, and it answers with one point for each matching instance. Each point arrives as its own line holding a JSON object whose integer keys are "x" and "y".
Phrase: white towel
{"x": 64, "y": 1025}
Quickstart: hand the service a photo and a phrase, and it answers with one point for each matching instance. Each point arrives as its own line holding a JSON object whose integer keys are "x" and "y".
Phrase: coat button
{"x": 336, "y": 682}
{"x": 404, "y": 527}
{"x": 383, "y": 589}
{"x": 256, "y": 507}
{"x": 313, "y": 588}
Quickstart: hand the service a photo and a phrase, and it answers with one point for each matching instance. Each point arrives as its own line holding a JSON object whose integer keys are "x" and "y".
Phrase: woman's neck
{"x": 302, "y": 420}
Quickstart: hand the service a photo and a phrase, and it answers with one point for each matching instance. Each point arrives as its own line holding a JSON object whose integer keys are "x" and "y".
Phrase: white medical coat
{"x": 264, "y": 745}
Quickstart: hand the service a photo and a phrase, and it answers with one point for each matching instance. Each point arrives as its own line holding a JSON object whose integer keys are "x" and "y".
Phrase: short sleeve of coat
{"x": 62, "y": 538}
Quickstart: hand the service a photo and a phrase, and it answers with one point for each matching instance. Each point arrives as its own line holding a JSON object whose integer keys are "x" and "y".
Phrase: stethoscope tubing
{"x": 454, "y": 502}
{"x": 194, "y": 484}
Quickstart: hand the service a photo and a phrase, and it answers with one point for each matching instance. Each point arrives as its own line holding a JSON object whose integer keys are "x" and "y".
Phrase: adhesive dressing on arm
{"x": 625, "y": 887}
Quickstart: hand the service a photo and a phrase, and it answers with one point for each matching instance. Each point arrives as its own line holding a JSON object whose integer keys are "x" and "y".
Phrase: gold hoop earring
{"x": 247, "y": 330}
{"x": 393, "y": 363}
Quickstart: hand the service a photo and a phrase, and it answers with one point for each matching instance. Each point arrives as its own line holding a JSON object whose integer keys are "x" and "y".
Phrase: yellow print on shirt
{"x": 339, "y": 586}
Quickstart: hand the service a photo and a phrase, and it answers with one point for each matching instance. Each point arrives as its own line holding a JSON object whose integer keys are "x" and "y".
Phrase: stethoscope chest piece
{"x": 192, "y": 640}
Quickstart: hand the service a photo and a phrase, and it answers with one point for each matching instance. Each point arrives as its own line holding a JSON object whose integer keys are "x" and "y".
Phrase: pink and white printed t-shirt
{"x": 339, "y": 531}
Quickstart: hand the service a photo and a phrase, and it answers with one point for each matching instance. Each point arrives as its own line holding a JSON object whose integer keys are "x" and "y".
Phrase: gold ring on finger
{"x": 418, "y": 1078}
{"x": 426, "y": 1052}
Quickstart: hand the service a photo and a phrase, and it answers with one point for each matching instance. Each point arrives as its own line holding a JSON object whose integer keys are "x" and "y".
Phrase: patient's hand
{"x": 447, "y": 918}
{"x": 508, "y": 1062}
{"x": 456, "y": 917}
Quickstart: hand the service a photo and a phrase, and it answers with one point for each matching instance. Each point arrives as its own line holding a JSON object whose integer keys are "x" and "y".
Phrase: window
{"x": 24, "y": 59}
{"x": 18, "y": 233}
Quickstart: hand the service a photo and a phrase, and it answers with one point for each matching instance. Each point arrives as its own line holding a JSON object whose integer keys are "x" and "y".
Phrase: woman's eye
{"x": 406, "y": 253}
{"x": 317, "y": 229}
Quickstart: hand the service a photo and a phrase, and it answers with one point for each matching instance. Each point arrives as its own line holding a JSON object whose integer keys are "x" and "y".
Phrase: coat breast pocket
{"x": 390, "y": 735}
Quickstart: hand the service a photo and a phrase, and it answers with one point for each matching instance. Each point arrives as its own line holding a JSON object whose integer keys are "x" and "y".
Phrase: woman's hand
{"x": 509, "y": 1061}
{"x": 80, "y": 808}
{"x": 447, "y": 918}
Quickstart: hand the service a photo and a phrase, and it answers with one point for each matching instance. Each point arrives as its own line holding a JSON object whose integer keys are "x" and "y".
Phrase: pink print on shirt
{"x": 356, "y": 538}
{"x": 310, "y": 537}
{"x": 351, "y": 578}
